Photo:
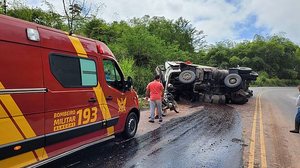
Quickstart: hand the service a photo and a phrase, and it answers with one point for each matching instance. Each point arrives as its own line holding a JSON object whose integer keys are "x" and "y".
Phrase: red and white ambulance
{"x": 59, "y": 93}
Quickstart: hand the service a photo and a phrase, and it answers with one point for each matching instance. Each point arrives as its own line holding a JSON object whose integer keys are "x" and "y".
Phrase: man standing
{"x": 297, "y": 118}
{"x": 155, "y": 91}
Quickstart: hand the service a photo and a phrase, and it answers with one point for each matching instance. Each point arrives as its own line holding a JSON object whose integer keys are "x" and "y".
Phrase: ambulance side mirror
{"x": 128, "y": 83}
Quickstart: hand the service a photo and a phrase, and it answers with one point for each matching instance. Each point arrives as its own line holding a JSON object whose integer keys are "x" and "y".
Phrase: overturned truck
{"x": 205, "y": 83}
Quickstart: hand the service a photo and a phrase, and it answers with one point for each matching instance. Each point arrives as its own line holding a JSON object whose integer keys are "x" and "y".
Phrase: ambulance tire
{"x": 130, "y": 126}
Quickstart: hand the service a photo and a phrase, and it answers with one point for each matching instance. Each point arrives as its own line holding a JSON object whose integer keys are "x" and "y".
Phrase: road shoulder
{"x": 185, "y": 109}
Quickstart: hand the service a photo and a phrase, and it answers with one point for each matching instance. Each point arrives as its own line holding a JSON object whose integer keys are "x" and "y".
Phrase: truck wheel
{"x": 187, "y": 76}
{"x": 232, "y": 80}
{"x": 244, "y": 70}
{"x": 130, "y": 126}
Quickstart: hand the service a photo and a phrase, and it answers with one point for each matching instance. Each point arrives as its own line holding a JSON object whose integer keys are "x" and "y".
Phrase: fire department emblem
{"x": 122, "y": 105}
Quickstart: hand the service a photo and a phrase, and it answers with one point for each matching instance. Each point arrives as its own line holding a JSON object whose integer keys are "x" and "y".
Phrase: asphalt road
{"x": 211, "y": 137}
{"x": 267, "y": 119}
{"x": 255, "y": 134}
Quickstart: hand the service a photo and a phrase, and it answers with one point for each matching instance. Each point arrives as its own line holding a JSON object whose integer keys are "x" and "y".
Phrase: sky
{"x": 234, "y": 20}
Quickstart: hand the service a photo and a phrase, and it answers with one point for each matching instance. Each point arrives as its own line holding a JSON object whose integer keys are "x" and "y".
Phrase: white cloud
{"x": 279, "y": 16}
{"x": 216, "y": 18}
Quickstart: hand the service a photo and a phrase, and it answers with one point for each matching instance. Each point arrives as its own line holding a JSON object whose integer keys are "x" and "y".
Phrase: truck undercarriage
{"x": 205, "y": 83}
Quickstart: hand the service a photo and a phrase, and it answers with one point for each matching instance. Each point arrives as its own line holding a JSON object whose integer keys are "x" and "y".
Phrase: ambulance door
{"x": 73, "y": 114}
{"x": 113, "y": 88}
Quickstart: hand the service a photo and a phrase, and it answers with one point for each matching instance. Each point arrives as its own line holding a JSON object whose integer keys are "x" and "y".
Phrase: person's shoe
{"x": 151, "y": 121}
{"x": 160, "y": 120}
{"x": 294, "y": 131}
{"x": 164, "y": 115}
{"x": 156, "y": 117}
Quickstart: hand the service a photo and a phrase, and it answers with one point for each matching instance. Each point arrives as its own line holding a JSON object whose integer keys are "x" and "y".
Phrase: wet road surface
{"x": 211, "y": 137}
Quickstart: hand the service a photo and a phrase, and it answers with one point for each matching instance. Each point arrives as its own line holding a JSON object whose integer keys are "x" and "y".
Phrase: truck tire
{"x": 130, "y": 126}
{"x": 244, "y": 70}
{"x": 187, "y": 76}
{"x": 232, "y": 80}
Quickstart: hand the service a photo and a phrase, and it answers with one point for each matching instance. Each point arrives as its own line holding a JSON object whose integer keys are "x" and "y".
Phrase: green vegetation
{"x": 143, "y": 103}
{"x": 141, "y": 44}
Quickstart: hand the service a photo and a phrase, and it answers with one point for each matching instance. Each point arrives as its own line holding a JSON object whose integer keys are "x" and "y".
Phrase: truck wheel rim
{"x": 186, "y": 76}
{"x": 232, "y": 80}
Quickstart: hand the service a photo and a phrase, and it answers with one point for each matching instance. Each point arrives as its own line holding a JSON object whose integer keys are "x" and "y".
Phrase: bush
{"x": 127, "y": 66}
{"x": 261, "y": 79}
{"x": 264, "y": 81}
{"x": 143, "y": 103}
{"x": 141, "y": 78}
{"x": 288, "y": 74}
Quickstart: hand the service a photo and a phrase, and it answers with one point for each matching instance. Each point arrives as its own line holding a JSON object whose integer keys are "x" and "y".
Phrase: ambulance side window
{"x": 88, "y": 72}
{"x": 74, "y": 71}
{"x": 113, "y": 74}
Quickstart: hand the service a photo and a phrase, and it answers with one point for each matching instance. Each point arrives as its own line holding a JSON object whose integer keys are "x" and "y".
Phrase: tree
{"x": 37, "y": 15}
{"x": 219, "y": 55}
{"x": 97, "y": 29}
{"x": 188, "y": 37}
{"x": 3, "y": 7}
{"x": 127, "y": 65}
{"x": 100, "y": 30}
{"x": 234, "y": 61}
{"x": 246, "y": 61}
{"x": 77, "y": 11}
{"x": 179, "y": 32}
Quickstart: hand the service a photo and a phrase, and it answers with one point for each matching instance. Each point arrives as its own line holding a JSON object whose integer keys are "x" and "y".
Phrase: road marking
{"x": 252, "y": 140}
{"x": 262, "y": 139}
{"x": 258, "y": 108}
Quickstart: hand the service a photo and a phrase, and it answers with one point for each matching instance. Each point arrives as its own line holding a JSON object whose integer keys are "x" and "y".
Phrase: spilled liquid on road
{"x": 208, "y": 138}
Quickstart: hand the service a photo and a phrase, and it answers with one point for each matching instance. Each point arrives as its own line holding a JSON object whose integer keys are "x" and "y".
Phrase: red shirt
{"x": 156, "y": 89}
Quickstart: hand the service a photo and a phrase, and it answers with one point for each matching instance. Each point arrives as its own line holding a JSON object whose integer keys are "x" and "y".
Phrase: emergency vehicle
{"x": 59, "y": 93}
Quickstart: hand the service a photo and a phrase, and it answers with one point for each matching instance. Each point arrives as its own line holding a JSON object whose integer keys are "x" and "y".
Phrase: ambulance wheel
{"x": 130, "y": 126}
